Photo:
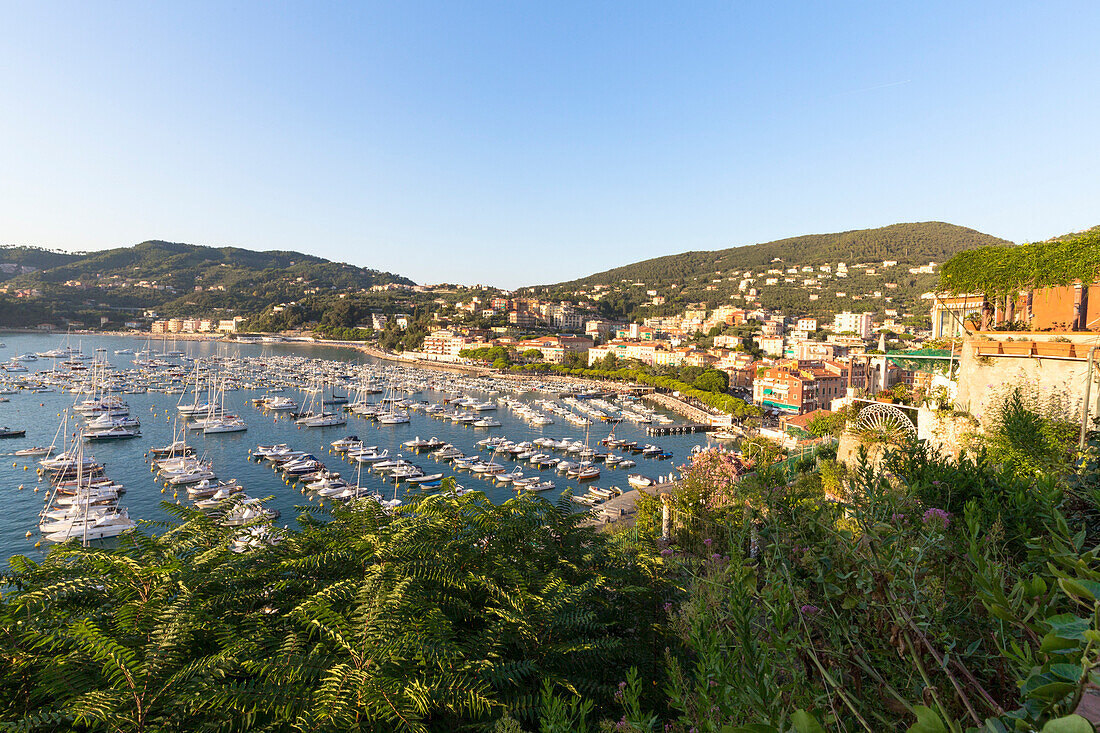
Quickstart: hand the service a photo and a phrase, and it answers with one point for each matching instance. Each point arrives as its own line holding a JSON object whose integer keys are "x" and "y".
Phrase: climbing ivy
{"x": 996, "y": 271}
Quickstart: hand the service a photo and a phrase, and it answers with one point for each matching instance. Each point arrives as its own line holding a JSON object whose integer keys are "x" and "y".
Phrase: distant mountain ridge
{"x": 176, "y": 279}
{"x": 178, "y": 263}
{"x": 32, "y": 257}
{"x": 910, "y": 243}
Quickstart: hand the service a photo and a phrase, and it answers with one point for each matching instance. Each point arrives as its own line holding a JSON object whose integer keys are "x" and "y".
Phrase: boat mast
{"x": 79, "y": 481}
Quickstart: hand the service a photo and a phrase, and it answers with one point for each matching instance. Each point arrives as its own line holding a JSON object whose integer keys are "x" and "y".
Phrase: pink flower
{"x": 936, "y": 516}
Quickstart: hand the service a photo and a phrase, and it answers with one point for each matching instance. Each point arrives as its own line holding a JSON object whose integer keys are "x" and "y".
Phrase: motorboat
{"x": 35, "y": 451}
{"x": 488, "y": 469}
{"x": 508, "y": 477}
{"x": 108, "y": 525}
{"x": 342, "y": 445}
{"x": 105, "y": 421}
{"x": 279, "y": 459}
{"x": 299, "y": 466}
{"x": 388, "y": 465}
{"x": 175, "y": 448}
{"x": 448, "y": 453}
{"x": 370, "y": 456}
{"x": 116, "y": 433}
{"x": 418, "y": 443}
{"x": 193, "y": 476}
{"x": 254, "y": 538}
{"x": 262, "y": 451}
{"x": 539, "y": 486}
{"x": 208, "y": 487}
{"x": 249, "y": 510}
{"x": 425, "y": 479}
{"x": 280, "y": 404}
{"x": 219, "y": 497}
{"x": 330, "y": 483}
{"x": 407, "y": 471}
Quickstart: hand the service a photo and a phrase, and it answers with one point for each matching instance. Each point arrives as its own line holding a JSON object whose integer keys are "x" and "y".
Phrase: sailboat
{"x": 90, "y": 512}
{"x": 178, "y": 446}
{"x": 195, "y": 406}
{"x": 223, "y": 423}
{"x": 321, "y": 419}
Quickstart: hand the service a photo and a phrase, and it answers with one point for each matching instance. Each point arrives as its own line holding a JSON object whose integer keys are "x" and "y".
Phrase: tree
{"x": 713, "y": 380}
{"x": 830, "y": 423}
{"x": 573, "y": 360}
{"x": 532, "y": 355}
{"x": 762, "y": 450}
{"x": 441, "y": 616}
{"x": 690, "y": 373}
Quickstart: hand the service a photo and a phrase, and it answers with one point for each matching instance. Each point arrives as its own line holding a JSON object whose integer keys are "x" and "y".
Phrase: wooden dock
{"x": 677, "y": 429}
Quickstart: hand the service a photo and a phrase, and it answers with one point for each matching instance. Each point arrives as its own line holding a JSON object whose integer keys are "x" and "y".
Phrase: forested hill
{"x": 914, "y": 244}
{"x": 30, "y": 259}
{"x": 184, "y": 265}
{"x": 175, "y": 279}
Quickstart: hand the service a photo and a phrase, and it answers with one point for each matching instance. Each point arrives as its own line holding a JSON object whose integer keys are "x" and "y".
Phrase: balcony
{"x": 1038, "y": 349}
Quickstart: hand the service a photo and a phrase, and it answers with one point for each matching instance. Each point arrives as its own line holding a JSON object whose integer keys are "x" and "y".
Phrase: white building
{"x": 859, "y": 323}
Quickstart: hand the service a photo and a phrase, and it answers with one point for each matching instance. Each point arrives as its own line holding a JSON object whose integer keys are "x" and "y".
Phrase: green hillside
{"x": 913, "y": 244}
{"x": 31, "y": 257}
{"x": 714, "y": 276}
{"x": 175, "y": 279}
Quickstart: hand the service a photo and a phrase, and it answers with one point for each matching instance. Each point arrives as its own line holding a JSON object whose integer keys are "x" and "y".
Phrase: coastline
{"x": 668, "y": 402}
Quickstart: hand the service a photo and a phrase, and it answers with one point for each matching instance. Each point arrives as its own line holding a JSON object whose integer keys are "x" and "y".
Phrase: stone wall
{"x": 946, "y": 432}
{"x": 691, "y": 412}
{"x": 847, "y": 451}
{"x": 984, "y": 380}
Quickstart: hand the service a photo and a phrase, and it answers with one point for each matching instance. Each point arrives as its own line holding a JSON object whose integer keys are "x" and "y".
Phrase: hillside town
{"x": 791, "y": 366}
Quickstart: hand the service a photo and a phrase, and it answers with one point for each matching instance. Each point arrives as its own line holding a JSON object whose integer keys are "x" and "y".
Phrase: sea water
{"x": 127, "y": 462}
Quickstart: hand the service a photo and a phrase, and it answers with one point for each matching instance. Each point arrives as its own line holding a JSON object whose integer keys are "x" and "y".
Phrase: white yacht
{"x": 224, "y": 425}
{"x": 108, "y": 525}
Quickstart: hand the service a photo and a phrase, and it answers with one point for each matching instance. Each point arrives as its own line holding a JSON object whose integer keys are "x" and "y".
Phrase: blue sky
{"x": 516, "y": 142}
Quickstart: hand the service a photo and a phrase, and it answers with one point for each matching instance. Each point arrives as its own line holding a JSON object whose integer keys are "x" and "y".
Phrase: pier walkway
{"x": 619, "y": 511}
{"x": 677, "y": 429}
{"x": 691, "y": 412}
